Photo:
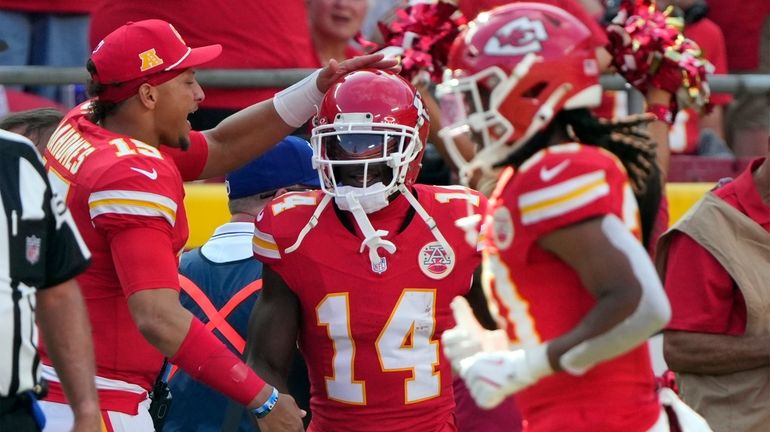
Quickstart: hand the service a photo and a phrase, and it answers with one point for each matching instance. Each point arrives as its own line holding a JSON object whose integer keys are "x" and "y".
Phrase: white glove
{"x": 468, "y": 337}
{"x": 493, "y": 376}
{"x": 688, "y": 419}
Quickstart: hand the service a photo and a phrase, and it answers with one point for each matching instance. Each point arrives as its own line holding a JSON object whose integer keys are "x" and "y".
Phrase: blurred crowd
{"x": 52, "y": 33}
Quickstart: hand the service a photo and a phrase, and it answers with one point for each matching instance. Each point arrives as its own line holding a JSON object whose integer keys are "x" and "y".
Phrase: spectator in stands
{"x": 37, "y": 125}
{"x": 41, "y": 252}
{"x": 746, "y": 27}
{"x": 123, "y": 157}
{"x": 221, "y": 282}
{"x": 717, "y": 281}
{"x": 693, "y": 133}
{"x": 46, "y": 33}
{"x": 333, "y": 25}
{"x": 379, "y": 11}
{"x": 255, "y": 34}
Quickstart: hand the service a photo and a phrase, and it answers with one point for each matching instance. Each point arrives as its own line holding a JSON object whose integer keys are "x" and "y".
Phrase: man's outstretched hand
{"x": 336, "y": 70}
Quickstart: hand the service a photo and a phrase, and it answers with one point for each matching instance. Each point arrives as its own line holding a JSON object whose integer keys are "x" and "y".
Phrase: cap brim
{"x": 199, "y": 56}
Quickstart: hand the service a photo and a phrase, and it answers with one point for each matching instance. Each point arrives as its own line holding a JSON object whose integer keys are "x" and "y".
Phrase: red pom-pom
{"x": 649, "y": 49}
{"x": 425, "y": 32}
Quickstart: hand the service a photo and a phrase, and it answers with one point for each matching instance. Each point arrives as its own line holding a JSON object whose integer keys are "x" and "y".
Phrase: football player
{"x": 119, "y": 161}
{"x": 564, "y": 270}
{"x": 362, "y": 272}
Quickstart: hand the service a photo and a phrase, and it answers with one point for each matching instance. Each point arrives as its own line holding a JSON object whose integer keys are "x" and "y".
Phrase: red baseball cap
{"x": 143, "y": 48}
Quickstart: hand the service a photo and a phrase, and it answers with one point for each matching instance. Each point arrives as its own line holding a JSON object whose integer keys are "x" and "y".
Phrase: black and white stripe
{"x": 39, "y": 247}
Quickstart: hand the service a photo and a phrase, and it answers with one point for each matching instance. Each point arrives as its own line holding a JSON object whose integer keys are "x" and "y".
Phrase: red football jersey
{"x": 371, "y": 340}
{"x": 113, "y": 182}
{"x": 537, "y": 297}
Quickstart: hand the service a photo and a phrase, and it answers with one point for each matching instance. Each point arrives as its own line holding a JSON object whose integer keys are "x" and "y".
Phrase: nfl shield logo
{"x": 381, "y": 266}
{"x": 33, "y": 249}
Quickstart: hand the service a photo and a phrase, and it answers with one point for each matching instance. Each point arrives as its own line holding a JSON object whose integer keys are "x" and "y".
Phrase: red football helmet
{"x": 509, "y": 73}
{"x": 370, "y": 116}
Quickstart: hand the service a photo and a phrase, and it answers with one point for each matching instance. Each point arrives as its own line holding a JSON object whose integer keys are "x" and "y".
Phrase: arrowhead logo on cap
{"x": 150, "y": 59}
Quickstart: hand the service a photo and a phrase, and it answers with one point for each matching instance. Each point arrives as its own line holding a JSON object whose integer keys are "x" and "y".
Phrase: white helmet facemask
{"x": 360, "y": 201}
{"x": 470, "y": 118}
{"x": 392, "y": 144}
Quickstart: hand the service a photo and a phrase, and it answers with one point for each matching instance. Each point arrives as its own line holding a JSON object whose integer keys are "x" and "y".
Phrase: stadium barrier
{"x": 206, "y": 205}
{"x": 43, "y": 75}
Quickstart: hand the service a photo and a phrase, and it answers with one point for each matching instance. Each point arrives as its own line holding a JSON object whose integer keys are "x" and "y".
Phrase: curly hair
{"x": 99, "y": 109}
{"x": 626, "y": 138}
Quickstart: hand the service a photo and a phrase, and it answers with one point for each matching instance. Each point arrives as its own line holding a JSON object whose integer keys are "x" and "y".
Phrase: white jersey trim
{"x": 132, "y": 203}
{"x": 563, "y": 197}
{"x": 49, "y": 373}
{"x": 264, "y": 245}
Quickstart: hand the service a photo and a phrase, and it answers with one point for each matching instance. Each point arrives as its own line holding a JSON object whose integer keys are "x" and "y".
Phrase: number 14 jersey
{"x": 371, "y": 340}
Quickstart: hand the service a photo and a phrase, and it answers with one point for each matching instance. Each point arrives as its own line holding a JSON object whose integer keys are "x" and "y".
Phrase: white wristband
{"x": 297, "y": 103}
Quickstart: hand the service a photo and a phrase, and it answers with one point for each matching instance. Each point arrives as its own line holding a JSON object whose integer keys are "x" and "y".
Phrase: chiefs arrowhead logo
{"x": 518, "y": 37}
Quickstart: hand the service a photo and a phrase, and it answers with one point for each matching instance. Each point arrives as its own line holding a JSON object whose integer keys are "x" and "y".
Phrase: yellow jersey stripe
{"x": 561, "y": 189}
{"x": 565, "y": 205}
{"x": 264, "y": 245}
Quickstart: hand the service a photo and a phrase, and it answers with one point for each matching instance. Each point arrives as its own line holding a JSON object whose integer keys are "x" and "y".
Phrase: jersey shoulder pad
{"x": 565, "y": 179}
{"x": 452, "y": 199}
{"x": 278, "y": 225}
{"x": 458, "y": 211}
{"x": 136, "y": 187}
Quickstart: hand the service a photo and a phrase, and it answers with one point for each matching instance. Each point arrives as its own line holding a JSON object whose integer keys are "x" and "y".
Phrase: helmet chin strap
{"x": 373, "y": 239}
{"x": 310, "y": 224}
{"x": 427, "y": 219}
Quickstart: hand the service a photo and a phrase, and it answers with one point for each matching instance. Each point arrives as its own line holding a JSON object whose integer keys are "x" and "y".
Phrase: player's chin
{"x": 183, "y": 143}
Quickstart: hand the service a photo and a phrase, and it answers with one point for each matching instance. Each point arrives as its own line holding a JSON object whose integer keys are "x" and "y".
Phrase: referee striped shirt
{"x": 39, "y": 248}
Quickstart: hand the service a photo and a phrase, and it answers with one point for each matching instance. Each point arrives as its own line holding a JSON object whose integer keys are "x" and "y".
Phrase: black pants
{"x": 16, "y": 415}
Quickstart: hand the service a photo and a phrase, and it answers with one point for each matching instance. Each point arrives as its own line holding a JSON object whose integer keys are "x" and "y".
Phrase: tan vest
{"x": 736, "y": 402}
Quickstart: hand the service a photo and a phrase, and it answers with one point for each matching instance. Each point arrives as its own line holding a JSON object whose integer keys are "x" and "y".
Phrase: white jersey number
{"x": 406, "y": 343}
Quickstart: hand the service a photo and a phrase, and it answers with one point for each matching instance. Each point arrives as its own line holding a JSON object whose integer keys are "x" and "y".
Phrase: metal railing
{"x": 260, "y": 78}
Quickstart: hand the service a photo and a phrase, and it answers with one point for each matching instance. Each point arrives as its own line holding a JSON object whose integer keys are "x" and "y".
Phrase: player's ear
{"x": 148, "y": 95}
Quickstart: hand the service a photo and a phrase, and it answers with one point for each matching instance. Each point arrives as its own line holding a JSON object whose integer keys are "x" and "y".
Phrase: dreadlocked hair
{"x": 99, "y": 109}
{"x": 626, "y": 138}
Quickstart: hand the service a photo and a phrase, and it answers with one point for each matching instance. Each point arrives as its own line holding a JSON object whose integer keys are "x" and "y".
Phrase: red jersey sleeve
{"x": 278, "y": 225}
{"x": 705, "y": 300}
{"x": 566, "y": 184}
{"x": 190, "y": 162}
{"x": 140, "y": 196}
{"x": 263, "y": 244}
